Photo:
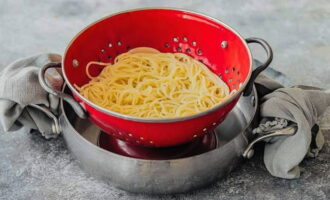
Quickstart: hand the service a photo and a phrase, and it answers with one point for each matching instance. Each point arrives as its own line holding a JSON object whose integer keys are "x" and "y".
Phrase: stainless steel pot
{"x": 164, "y": 176}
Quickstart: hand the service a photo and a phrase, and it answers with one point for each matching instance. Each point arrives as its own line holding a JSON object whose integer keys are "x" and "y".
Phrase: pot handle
{"x": 56, "y": 127}
{"x": 260, "y": 68}
{"x": 74, "y": 104}
{"x": 287, "y": 131}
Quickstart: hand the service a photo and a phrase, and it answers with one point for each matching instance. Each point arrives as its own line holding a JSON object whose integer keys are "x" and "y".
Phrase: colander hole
{"x": 110, "y": 45}
{"x": 128, "y": 47}
{"x": 188, "y": 50}
{"x": 195, "y": 136}
{"x": 185, "y": 39}
{"x": 102, "y": 50}
{"x": 98, "y": 60}
{"x": 119, "y": 43}
{"x": 230, "y": 80}
{"x": 226, "y": 71}
{"x": 141, "y": 138}
{"x": 167, "y": 45}
{"x": 199, "y": 52}
{"x": 137, "y": 141}
{"x": 109, "y": 57}
{"x": 200, "y": 60}
{"x": 234, "y": 85}
{"x": 175, "y": 39}
{"x": 151, "y": 142}
{"x": 220, "y": 76}
{"x": 194, "y": 43}
{"x": 178, "y": 48}
{"x": 224, "y": 44}
{"x": 75, "y": 63}
{"x": 204, "y": 129}
{"x": 237, "y": 72}
{"x": 117, "y": 53}
{"x": 234, "y": 69}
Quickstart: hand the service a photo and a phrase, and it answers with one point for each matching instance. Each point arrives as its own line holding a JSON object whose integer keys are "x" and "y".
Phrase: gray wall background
{"x": 297, "y": 30}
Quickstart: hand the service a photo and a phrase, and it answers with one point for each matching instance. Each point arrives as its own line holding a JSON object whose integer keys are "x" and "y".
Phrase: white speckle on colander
{"x": 185, "y": 39}
{"x": 224, "y": 44}
{"x": 151, "y": 142}
{"x": 119, "y": 43}
{"x": 175, "y": 39}
{"x": 130, "y": 134}
{"x": 204, "y": 129}
{"x": 110, "y": 45}
{"x": 214, "y": 123}
{"x": 119, "y": 133}
{"x": 102, "y": 50}
{"x": 141, "y": 138}
{"x": 194, "y": 43}
{"x": 75, "y": 63}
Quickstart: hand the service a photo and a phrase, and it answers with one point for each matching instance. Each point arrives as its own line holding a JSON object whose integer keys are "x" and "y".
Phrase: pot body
{"x": 162, "y": 176}
{"x": 206, "y": 39}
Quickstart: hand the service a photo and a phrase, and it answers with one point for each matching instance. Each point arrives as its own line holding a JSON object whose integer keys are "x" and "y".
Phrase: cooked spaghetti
{"x": 151, "y": 84}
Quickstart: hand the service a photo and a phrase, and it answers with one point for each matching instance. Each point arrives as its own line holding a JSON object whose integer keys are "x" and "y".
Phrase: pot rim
{"x": 160, "y": 120}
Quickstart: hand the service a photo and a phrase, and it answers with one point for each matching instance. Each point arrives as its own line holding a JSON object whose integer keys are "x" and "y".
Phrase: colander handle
{"x": 42, "y": 80}
{"x": 259, "y": 69}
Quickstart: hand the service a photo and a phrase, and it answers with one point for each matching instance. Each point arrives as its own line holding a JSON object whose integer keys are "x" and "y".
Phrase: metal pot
{"x": 165, "y": 176}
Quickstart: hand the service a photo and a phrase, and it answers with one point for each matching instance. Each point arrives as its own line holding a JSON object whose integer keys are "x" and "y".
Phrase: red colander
{"x": 206, "y": 39}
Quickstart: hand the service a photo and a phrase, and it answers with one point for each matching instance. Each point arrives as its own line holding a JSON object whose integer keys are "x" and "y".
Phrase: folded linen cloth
{"x": 19, "y": 88}
{"x": 302, "y": 105}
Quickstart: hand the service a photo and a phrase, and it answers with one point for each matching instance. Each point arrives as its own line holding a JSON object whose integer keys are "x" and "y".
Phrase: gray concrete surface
{"x": 33, "y": 168}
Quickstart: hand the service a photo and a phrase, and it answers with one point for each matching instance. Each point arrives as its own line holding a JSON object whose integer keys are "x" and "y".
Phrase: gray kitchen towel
{"x": 302, "y": 105}
{"x": 19, "y": 88}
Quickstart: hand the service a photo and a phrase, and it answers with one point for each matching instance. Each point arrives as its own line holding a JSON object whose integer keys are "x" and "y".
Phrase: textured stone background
{"x": 33, "y": 168}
